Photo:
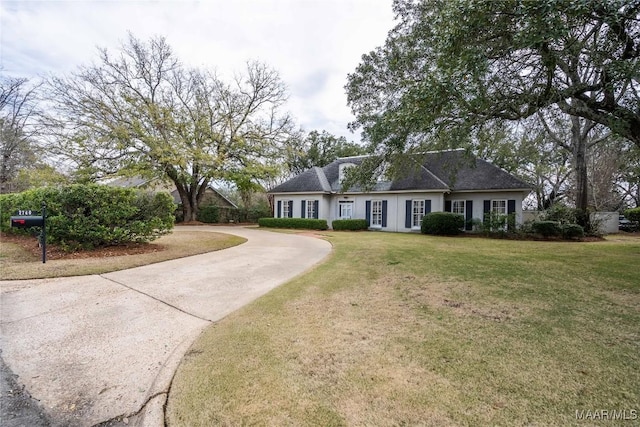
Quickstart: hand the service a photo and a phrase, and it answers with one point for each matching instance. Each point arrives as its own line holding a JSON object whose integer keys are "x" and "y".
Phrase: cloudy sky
{"x": 313, "y": 44}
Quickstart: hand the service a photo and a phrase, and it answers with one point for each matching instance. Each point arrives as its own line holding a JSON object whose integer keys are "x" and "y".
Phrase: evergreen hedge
{"x": 442, "y": 223}
{"x": 89, "y": 216}
{"x": 304, "y": 223}
{"x": 571, "y": 231}
{"x": 208, "y": 214}
{"x": 632, "y": 214}
{"x": 546, "y": 228}
{"x": 350, "y": 224}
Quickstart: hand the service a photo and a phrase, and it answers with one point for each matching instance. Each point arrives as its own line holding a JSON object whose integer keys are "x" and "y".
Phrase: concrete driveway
{"x": 103, "y": 349}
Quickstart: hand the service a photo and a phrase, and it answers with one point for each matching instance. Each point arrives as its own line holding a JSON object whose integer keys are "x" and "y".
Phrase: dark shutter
{"x": 367, "y": 213}
{"x": 315, "y": 209}
{"x": 384, "y": 213}
{"x": 407, "y": 216}
{"x": 468, "y": 210}
{"x": 447, "y": 205}
{"x": 511, "y": 210}
{"x": 304, "y": 209}
{"x": 290, "y": 208}
{"x": 487, "y": 211}
{"x": 427, "y": 206}
{"x": 279, "y": 213}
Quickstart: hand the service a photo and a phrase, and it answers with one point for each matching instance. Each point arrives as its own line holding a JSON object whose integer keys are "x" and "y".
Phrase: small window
{"x": 311, "y": 209}
{"x": 376, "y": 213}
{"x": 457, "y": 206}
{"x": 286, "y": 205}
{"x": 499, "y": 209}
{"x": 417, "y": 213}
{"x": 499, "y": 206}
{"x": 345, "y": 209}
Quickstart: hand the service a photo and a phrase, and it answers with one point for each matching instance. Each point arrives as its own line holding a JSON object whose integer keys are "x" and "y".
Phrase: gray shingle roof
{"x": 310, "y": 181}
{"x": 446, "y": 171}
{"x": 463, "y": 172}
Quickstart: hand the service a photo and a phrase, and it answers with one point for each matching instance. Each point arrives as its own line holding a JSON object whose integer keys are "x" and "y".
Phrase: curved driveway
{"x": 103, "y": 348}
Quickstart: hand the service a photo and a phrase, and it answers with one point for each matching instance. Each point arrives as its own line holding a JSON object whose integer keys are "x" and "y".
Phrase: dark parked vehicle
{"x": 626, "y": 225}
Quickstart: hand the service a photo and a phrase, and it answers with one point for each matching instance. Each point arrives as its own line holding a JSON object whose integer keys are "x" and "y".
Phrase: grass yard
{"x": 17, "y": 263}
{"x": 405, "y": 329}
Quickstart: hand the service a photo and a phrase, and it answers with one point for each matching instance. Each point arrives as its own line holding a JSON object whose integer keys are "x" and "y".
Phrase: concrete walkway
{"x": 103, "y": 349}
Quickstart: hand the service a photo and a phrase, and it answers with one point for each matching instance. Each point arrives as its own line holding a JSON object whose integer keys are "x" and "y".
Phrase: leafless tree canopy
{"x": 142, "y": 111}
{"x": 18, "y": 129}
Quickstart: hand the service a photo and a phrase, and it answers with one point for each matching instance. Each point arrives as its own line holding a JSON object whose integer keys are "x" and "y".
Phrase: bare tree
{"x": 141, "y": 111}
{"x": 627, "y": 176}
{"x": 17, "y": 128}
{"x": 577, "y": 137}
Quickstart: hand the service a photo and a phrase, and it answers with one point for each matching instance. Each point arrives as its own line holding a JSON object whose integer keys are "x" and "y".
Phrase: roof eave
{"x": 493, "y": 190}
{"x": 275, "y": 193}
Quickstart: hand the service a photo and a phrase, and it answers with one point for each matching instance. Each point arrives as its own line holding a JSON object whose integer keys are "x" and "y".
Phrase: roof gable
{"x": 310, "y": 181}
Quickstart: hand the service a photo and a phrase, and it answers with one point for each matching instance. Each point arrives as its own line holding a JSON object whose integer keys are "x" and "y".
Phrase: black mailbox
{"x": 27, "y": 221}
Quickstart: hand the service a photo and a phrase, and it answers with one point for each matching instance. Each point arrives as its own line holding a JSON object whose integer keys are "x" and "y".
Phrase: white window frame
{"x": 285, "y": 209}
{"x": 417, "y": 212}
{"x": 345, "y": 203}
{"x": 376, "y": 213}
{"x": 501, "y": 209}
{"x": 311, "y": 211}
{"x": 456, "y": 203}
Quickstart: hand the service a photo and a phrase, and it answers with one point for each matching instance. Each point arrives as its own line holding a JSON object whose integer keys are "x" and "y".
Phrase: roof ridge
{"x": 324, "y": 182}
{"x": 434, "y": 175}
{"x": 362, "y": 156}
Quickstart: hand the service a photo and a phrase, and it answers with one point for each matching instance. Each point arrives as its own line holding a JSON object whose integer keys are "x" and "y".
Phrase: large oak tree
{"x": 450, "y": 67}
{"x": 141, "y": 111}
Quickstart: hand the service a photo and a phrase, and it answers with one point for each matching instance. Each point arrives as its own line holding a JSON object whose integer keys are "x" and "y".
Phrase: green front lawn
{"x": 405, "y": 329}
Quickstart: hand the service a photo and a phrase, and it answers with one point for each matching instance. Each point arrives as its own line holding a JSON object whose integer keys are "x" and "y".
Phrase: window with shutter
{"x": 311, "y": 209}
{"x": 417, "y": 213}
{"x": 376, "y": 213}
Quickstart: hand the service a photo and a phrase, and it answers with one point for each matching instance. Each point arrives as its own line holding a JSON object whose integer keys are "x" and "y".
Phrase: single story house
{"x": 444, "y": 181}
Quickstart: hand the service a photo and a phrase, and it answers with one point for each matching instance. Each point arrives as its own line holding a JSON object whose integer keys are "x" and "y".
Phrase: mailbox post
{"x": 26, "y": 219}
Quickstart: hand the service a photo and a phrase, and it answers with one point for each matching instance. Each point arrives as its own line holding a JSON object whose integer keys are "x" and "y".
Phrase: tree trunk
{"x": 189, "y": 208}
{"x": 190, "y": 201}
{"x": 191, "y": 193}
{"x": 188, "y": 212}
{"x": 579, "y": 144}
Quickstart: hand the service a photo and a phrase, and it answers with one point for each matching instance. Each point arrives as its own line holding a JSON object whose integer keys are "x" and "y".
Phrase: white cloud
{"x": 314, "y": 44}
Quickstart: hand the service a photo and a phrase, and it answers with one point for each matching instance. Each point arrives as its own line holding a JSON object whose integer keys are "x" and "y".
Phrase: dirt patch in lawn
{"x": 457, "y": 298}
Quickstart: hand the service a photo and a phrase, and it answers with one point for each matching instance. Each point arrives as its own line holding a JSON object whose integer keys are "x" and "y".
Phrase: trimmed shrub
{"x": 632, "y": 214}
{"x": 208, "y": 214}
{"x": 546, "y": 228}
{"x": 350, "y": 224}
{"x": 305, "y": 223}
{"x": 561, "y": 213}
{"x": 572, "y": 231}
{"x": 442, "y": 223}
{"x": 89, "y": 216}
